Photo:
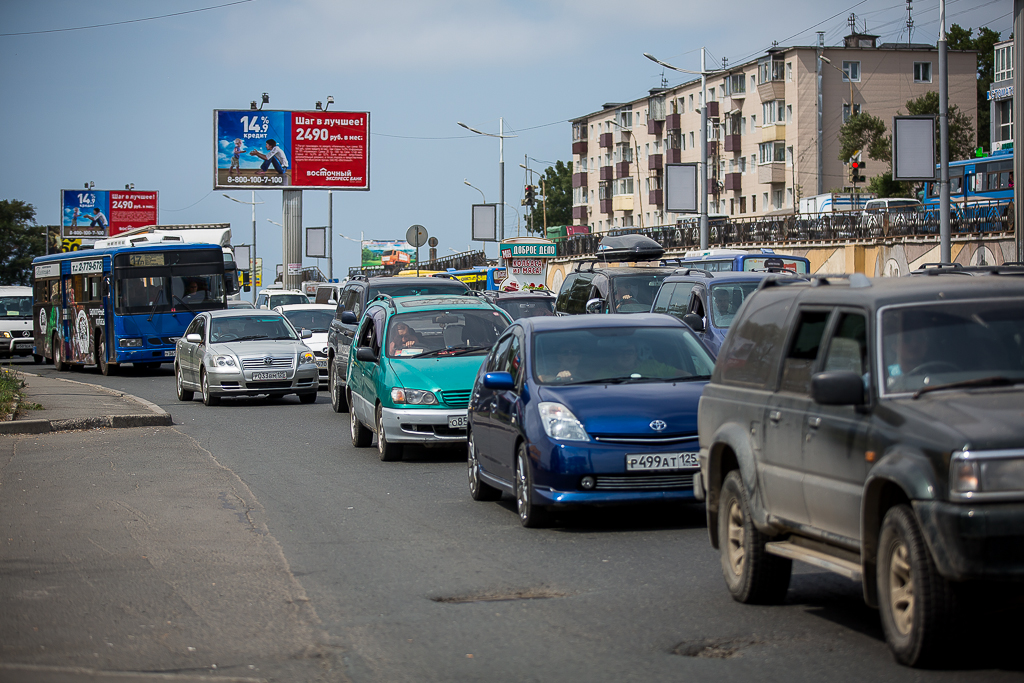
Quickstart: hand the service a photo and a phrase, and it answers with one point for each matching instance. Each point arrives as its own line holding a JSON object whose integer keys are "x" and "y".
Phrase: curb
{"x": 158, "y": 417}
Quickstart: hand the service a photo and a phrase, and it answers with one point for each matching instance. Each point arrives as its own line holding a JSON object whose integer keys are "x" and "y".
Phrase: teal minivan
{"x": 412, "y": 373}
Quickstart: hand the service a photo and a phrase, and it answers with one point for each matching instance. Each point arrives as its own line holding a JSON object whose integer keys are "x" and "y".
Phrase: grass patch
{"x": 10, "y": 391}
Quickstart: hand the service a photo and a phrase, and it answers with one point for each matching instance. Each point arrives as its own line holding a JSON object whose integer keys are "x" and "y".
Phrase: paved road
{"x": 411, "y": 580}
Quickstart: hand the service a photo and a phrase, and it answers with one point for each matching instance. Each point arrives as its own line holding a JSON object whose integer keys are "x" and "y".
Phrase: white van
{"x": 272, "y": 298}
{"x": 16, "y": 322}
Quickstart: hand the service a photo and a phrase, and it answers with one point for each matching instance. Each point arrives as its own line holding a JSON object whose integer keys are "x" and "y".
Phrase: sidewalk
{"x": 69, "y": 404}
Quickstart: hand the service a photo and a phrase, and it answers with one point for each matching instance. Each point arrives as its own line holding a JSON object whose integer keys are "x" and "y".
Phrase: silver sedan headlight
{"x": 225, "y": 362}
{"x": 307, "y": 358}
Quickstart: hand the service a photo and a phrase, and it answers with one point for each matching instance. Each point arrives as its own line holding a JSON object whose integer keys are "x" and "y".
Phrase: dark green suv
{"x": 872, "y": 428}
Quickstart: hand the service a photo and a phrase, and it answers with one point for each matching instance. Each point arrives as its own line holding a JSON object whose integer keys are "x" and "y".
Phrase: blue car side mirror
{"x": 499, "y": 380}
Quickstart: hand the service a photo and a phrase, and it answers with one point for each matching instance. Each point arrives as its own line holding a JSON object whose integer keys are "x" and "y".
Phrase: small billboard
{"x": 96, "y": 214}
{"x": 291, "y": 150}
{"x": 387, "y": 253}
{"x": 913, "y": 148}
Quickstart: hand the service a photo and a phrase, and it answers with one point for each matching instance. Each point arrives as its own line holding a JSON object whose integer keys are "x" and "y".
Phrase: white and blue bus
{"x": 124, "y": 304}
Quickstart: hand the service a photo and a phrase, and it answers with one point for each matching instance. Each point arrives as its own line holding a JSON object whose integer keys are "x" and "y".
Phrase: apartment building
{"x": 764, "y": 133}
{"x": 1000, "y": 97}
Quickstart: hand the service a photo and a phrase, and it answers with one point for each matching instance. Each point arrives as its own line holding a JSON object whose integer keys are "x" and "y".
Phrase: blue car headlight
{"x": 559, "y": 422}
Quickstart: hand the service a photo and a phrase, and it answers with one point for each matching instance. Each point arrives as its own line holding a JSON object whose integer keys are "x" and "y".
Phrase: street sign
{"x": 416, "y": 236}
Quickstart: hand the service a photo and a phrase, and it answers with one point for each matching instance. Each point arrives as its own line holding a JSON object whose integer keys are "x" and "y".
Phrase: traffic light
{"x": 528, "y": 201}
{"x": 856, "y": 167}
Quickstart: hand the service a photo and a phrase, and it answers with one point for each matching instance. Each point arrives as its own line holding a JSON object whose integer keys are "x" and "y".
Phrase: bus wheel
{"x": 58, "y": 356}
{"x": 106, "y": 367}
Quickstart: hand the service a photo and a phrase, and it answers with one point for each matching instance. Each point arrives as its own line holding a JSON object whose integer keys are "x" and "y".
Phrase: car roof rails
{"x": 854, "y": 280}
{"x": 385, "y": 298}
{"x": 359, "y": 277}
{"x": 693, "y": 271}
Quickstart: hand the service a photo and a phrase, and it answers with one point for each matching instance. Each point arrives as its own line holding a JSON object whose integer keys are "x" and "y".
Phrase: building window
{"x": 743, "y": 204}
{"x": 772, "y": 151}
{"x": 789, "y": 156}
{"x": 922, "y": 72}
{"x": 743, "y": 164}
{"x": 1004, "y": 120}
{"x": 691, "y": 139}
{"x": 737, "y": 84}
{"x": 846, "y": 111}
{"x": 851, "y": 72}
{"x": 789, "y": 113}
{"x": 753, "y": 203}
{"x": 691, "y": 102}
{"x": 789, "y": 71}
{"x": 753, "y": 161}
{"x": 626, "y": 119}
{"x": 777, "y": 199}
{"x": 753, "y": 82}
{"x": 764, "y": 200}
{"x": 1004, "y": 63}
{"x": 624, "y": 186}
{"x": 789, "y": 196}
{"x": 732, "y": 207}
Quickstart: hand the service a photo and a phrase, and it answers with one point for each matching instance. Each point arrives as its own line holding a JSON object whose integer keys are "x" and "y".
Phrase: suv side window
{"x": 696, "y": 303}
{"x": 368, "y": 333}
{"x": 562, "y": 300}
{"x": 579, "y": 294}
{"x": 349, "y": 300}
{"x": 803, "y": 351}
{"x": 848, "y": 349}
{"x": 750, "y": 355}
{"x": 261, "y": 300}
{"x": 673, "y": 298}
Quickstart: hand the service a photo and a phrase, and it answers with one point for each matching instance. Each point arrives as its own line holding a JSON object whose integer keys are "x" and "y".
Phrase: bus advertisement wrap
{"x": 291, "y": 150}
{"x": 387, "y": 253}
{"x": 95, "y": 214}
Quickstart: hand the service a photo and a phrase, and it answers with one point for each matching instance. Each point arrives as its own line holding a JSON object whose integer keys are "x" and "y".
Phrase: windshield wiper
{"x": 190, "y": 309}
{"x": 995, "y": 381}
{"x": 453, "y": 351}
{"x": 606, "y": 380}
{"x": 251, "y": 337}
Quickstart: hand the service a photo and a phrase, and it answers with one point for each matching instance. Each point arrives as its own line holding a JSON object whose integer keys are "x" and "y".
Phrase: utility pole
{"x": 703, "y": 185}
{"x": 291, "y": 238}
{"x": 946, "y": 254}
{"x": 330, "y": 234}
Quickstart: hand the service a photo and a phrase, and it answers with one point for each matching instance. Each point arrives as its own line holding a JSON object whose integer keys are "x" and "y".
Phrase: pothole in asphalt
{"x": 502, "y": 596}
{"x": 712, "y": 648}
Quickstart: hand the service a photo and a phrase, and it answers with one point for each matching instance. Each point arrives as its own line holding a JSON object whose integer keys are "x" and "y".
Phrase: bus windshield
{"x": 160, "y": 282}
{"x": 16, "y": 307}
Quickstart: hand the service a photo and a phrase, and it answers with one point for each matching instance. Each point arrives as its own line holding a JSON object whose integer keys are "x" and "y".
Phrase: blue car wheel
{"x": 530, "y": 516}
{"x": 478, "y": 490}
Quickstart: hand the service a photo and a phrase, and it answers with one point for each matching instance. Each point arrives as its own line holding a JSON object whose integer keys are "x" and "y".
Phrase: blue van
{"x": 716, "y": 260}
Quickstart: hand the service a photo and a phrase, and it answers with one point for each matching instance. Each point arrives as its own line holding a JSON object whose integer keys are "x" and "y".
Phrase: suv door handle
{"x": 775, "y": 415}
{"x": 813, "y": 422}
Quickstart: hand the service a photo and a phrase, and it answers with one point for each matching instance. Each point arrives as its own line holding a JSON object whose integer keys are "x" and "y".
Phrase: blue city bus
{"x": 124, "y": 304}
{"x": 988, "y": 179}
{"x": 716, "y": 260}
{"x": 480, "y": 278}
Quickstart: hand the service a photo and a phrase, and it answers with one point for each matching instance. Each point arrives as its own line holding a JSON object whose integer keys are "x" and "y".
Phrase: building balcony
{"x": 732, "y": 142}
{"x": 674, "y": 156}
{"x": 654, "y": 162}
{"x": 773, "y": 133}
{"x": 606, "y": 206}
{"x": 579, "y": 213}
{"x": 732, "y": 182}
{"x": 712, "y": 148}
{"x": 606, "y": 140}
{"x": 622, "y": 202}
{"x": 579, "y": 147}
{"x": 622, "y": 169}
{"x": 714, "y": 186}
{"x": 654, "y": 127}
{"x": 672, "y": 122}
{"x": 579, "y": 179}
{"x": 656, "y": 197}
{"x": 607, "y": 173}
{"x": 774, "y": 172}
{"x": 772, "y": 90}
{"x": 713, "y": 110}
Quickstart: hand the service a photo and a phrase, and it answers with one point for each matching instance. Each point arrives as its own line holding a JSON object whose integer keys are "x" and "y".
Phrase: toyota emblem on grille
{"x": 267, "y": 360}
{"x": 658, "y": 425}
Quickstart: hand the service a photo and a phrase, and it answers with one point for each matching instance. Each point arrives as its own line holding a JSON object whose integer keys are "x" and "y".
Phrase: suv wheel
{"x": 361, "y": 436}
{"x": 751, "y": 574}
{"x": 389, "y": 452}
{"x": 915, "y": 602}
{"x": 338, "y": 400}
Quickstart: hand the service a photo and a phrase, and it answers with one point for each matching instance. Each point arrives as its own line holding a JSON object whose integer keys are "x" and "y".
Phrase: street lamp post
{"x": 252, "y": 263}
{"x": 703, "y": 184}
{"x": 466, "y": 181}
{"x": 501, "y": 168}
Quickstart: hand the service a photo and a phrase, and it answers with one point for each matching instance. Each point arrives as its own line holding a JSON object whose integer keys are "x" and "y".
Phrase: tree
{"x": 961, "y": 133}
{"x": 865, "y": 133}
{"x": 558, "y": 185}
{"x": 959, "y": 38}
{"x": 21, "y": 240}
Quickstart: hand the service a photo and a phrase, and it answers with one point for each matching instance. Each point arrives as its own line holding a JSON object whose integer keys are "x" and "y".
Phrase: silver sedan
{"x": 239, "y": 352}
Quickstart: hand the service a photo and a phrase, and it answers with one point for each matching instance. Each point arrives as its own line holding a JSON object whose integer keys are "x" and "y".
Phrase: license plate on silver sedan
{"x": 655, "y": 462}
{"x": 457, "y": 421}
{"x": 257, "y": 376}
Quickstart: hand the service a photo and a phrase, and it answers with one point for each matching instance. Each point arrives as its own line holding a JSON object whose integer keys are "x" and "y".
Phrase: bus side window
{"x": 956, "y": 186}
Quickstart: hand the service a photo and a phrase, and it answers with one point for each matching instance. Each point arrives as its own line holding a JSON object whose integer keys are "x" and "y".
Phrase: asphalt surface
{"x": 342, "y": 567}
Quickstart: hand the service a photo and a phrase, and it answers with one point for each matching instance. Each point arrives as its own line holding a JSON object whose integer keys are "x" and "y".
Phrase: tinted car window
{"x": 495, "y": 360}
{"x": 803, "y": 351}
{"x": 562, "y": 300}
{"x": 848, "y": 349}
{"x": 314, "y": 321}
{"x": 350, "y": 300}
{"x": 526, "y": 308}
{"x": 672, "y": 298}
{"x": 285, "y": 299}
{"x": 419, "y": 289}
{"x": 751, "y": 352}
{"x": 576, "y": 302}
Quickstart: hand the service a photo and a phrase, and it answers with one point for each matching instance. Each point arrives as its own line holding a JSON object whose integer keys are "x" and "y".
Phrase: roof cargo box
{"x": 629, "y": 248}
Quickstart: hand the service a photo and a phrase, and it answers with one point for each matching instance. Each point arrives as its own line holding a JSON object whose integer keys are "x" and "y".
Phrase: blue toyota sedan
{"x": 587, "y": 410}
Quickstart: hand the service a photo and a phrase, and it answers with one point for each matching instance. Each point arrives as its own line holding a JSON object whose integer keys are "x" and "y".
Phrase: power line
{"x": 127, "y": 21}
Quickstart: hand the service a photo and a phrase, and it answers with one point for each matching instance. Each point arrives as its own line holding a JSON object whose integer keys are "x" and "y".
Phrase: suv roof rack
{"x": 359, "y": 276}
{"x": 854, "y": 280}
{"x": 387, "y": 298}
{"x": 693, "y": 271}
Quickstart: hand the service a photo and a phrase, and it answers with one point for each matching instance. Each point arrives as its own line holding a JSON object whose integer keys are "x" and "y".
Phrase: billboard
{"x": 387, "y": 253}
{"x": 291, "y": 150}
{"x": 95, "y": 214}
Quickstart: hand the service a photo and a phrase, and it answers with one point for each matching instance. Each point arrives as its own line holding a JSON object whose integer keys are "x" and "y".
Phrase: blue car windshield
{"x": 727, "y": 298}
{"x": 620, "y": 354}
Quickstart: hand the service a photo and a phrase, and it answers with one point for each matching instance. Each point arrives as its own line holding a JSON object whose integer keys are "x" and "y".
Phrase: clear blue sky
{"x": 133, "y": 102}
